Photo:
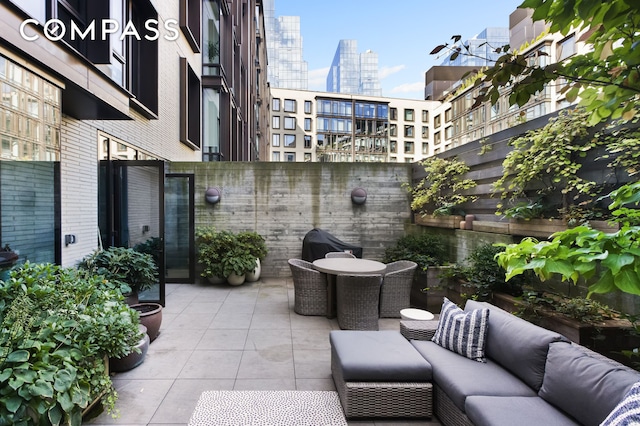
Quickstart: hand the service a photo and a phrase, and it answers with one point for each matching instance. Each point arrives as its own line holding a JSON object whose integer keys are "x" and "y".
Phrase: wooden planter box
{"x": 540, "y": 228}
{"x": 608, "y": 337}
{"x": 450, "y": 222}
{"x": 493, "y": 227}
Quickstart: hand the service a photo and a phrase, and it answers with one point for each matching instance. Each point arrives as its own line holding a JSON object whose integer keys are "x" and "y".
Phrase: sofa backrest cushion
{"x": 463, "y": 332}
{"x": 516, "y": 344}
{"x": 585, "y": 387}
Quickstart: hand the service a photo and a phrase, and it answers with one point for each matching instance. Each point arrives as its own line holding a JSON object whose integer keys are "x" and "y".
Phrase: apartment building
{"x": 97, "y": 97}
{"x": 532, "y": 39}
{"x": 309, "y": 126}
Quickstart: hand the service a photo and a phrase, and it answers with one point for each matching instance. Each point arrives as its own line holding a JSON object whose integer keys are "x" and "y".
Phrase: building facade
{"x": 308, "y": 126}
{"x": 352, "y": 72}
{"x": 287, "y": 69}
{"x": 481, "y": 49}
{"x": 97, "y": 97}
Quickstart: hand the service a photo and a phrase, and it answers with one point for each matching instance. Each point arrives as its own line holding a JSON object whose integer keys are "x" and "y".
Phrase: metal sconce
{"x": 358, "y": 196}
{"x": 213, "y": 195}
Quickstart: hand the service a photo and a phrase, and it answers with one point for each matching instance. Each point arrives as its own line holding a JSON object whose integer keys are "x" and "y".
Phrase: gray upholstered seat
{"x": 344, "y": 254}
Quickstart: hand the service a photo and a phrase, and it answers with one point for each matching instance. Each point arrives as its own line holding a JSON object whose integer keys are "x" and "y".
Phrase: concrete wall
{"x": 284, "y": 201}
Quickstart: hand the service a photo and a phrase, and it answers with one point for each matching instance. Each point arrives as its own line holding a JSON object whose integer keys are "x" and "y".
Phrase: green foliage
{"x": 549, "y": 156}
{"x": 483, "y": 272}
{"x": 223, "y": 252}
{"x": 125, "y": 268}
{"x": 578, "y": 308}
{"x": 606, "y": 78}
{"x": 152, "y": 246}
{"x": 254, "y": 242}
{"x": 608, "y": 262}
{"x": 424, "y": 249}
{"x": 525, "y": 211}
{"x": 56, "y": 327}
{"x": 442, "y": 188}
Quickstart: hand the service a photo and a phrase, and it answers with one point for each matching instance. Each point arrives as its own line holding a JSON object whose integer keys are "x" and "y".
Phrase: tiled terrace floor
{"x": 228, "y": 338}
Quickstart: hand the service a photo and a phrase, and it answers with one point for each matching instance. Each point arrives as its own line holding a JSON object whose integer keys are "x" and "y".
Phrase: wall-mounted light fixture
{"x": 358, "y": 196}
{"x": 69, "y": 239}
{"x": 213, "y": 195}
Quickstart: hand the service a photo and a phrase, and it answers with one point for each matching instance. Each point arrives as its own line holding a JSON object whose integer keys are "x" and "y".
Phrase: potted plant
{"x": 211, "y": 246}
{"x": 258, "y": 248}
{"x": 437, "y": 197}
{"x": 57, "y": 327}
{"x": 236, "y": 263}
{"x": 131, "y": 272}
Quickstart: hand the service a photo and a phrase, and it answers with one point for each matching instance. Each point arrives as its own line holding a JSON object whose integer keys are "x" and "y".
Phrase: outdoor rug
{"x": 268, "y": 408}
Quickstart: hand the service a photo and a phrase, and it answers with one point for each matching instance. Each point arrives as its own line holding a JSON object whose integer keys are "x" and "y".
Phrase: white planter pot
{"x": 255, "y": 274}
{"x": 234, "y": 279}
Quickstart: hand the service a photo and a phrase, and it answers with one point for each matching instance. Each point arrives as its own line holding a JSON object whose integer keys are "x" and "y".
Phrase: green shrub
{"x": 56, "y": 328}
{"x": 424, "y": 249}
{"x": 483, "y": 272}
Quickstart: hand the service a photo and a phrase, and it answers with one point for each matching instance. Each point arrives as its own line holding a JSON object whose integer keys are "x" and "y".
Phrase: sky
{"x": 402, "y": 33}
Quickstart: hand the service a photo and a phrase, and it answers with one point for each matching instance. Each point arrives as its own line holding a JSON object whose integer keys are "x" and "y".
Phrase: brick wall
{"x": 284, "y": 201}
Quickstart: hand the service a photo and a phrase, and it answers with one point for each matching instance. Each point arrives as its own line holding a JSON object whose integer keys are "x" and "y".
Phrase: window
{"x": 393, "y": 113}
{"x": 307, "y": 124}
{"x": 393, "y": 146}
{"x": 289, "y": 141}
{"x": 190, "y": 103}
{"x": 290, "y": 123}
{"x": 275, "y": 139}
{"x": 393, "y": 130}
{"x": 566, "y": 47}
{"x": 275, "y": 104}
{"x": 447, "y": 115}
{"x": 408, "y": 147}
{"x": 307, "y": 141}
{"x": 448, "y": 132}
{"x": 408, "y": 115}
{"x": 408, "y": 131}
{"x": 425, "y": 148}
{"x": 275, "y": 156}
{"x": 425, "y": 116}
{"x": 290, "y": 156}
{"x": 289, "y": 105}
{"x": 307, "y": 107}
{"x": 143, "y": 62}
{"x": 307, "y": 157}
{"x": 190, "y": 22}
{"x": 425, "y": 131}
{"x": 436, "y": 138}
{"x": 436, "y": 121}
{"x": 275, "y": 122}
{"x": 82, "y": 14}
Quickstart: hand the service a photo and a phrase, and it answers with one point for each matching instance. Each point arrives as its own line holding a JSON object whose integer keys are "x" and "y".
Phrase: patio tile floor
{"x": 228, "y": 338}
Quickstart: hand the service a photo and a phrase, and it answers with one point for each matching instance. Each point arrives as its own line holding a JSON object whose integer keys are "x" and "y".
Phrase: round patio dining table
{"x": 337, "y": 266}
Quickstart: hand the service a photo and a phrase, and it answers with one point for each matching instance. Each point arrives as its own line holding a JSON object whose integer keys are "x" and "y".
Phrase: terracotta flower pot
{"x": 150, "y": 317}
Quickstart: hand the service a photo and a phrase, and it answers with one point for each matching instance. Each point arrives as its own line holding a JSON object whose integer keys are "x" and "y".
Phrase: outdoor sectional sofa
{"x": 530, "y": 375}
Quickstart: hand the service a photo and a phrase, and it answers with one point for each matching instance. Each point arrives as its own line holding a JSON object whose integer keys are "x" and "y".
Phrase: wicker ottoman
{"x": 380, "y": 374}
{"x": 418, "y": 330}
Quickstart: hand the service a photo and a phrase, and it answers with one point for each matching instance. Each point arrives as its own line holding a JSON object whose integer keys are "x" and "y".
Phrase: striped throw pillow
{"x": 627, "y": 412}
{"x": 462, "y": 332}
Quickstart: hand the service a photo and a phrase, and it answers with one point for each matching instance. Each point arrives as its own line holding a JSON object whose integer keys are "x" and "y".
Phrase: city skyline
{"x": 403, "y": 40}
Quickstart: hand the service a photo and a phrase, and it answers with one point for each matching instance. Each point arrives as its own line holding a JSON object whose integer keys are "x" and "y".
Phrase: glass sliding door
{"x": 179, "y": 228}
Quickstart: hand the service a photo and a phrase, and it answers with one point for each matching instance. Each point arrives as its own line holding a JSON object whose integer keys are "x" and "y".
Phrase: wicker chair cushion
{"x": 460, "y": 377}
{"x": 519, "y": 346}
{"x": 587, "y": 388}
{"x": 377, "y": 356}
{"x": 514, "y": 410}
{"x": 462, "y": 332}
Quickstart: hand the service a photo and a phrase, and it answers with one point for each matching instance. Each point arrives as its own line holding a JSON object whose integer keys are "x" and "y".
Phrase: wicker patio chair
{"x": 339, "y": 254}
{"x": 310, "y": 288}
{"x": 395, "y": 293}
{"x": 357, "y": 301}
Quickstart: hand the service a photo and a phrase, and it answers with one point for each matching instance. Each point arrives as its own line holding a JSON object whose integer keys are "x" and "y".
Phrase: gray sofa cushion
{"x": 460, "y": 377}
{"x": 587, "y": 388}
{"x": 516, "y": 344}
{"x": 514, "y": 410}
{"x": 378, "y": 356}
{"x": 627, "y": 411}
